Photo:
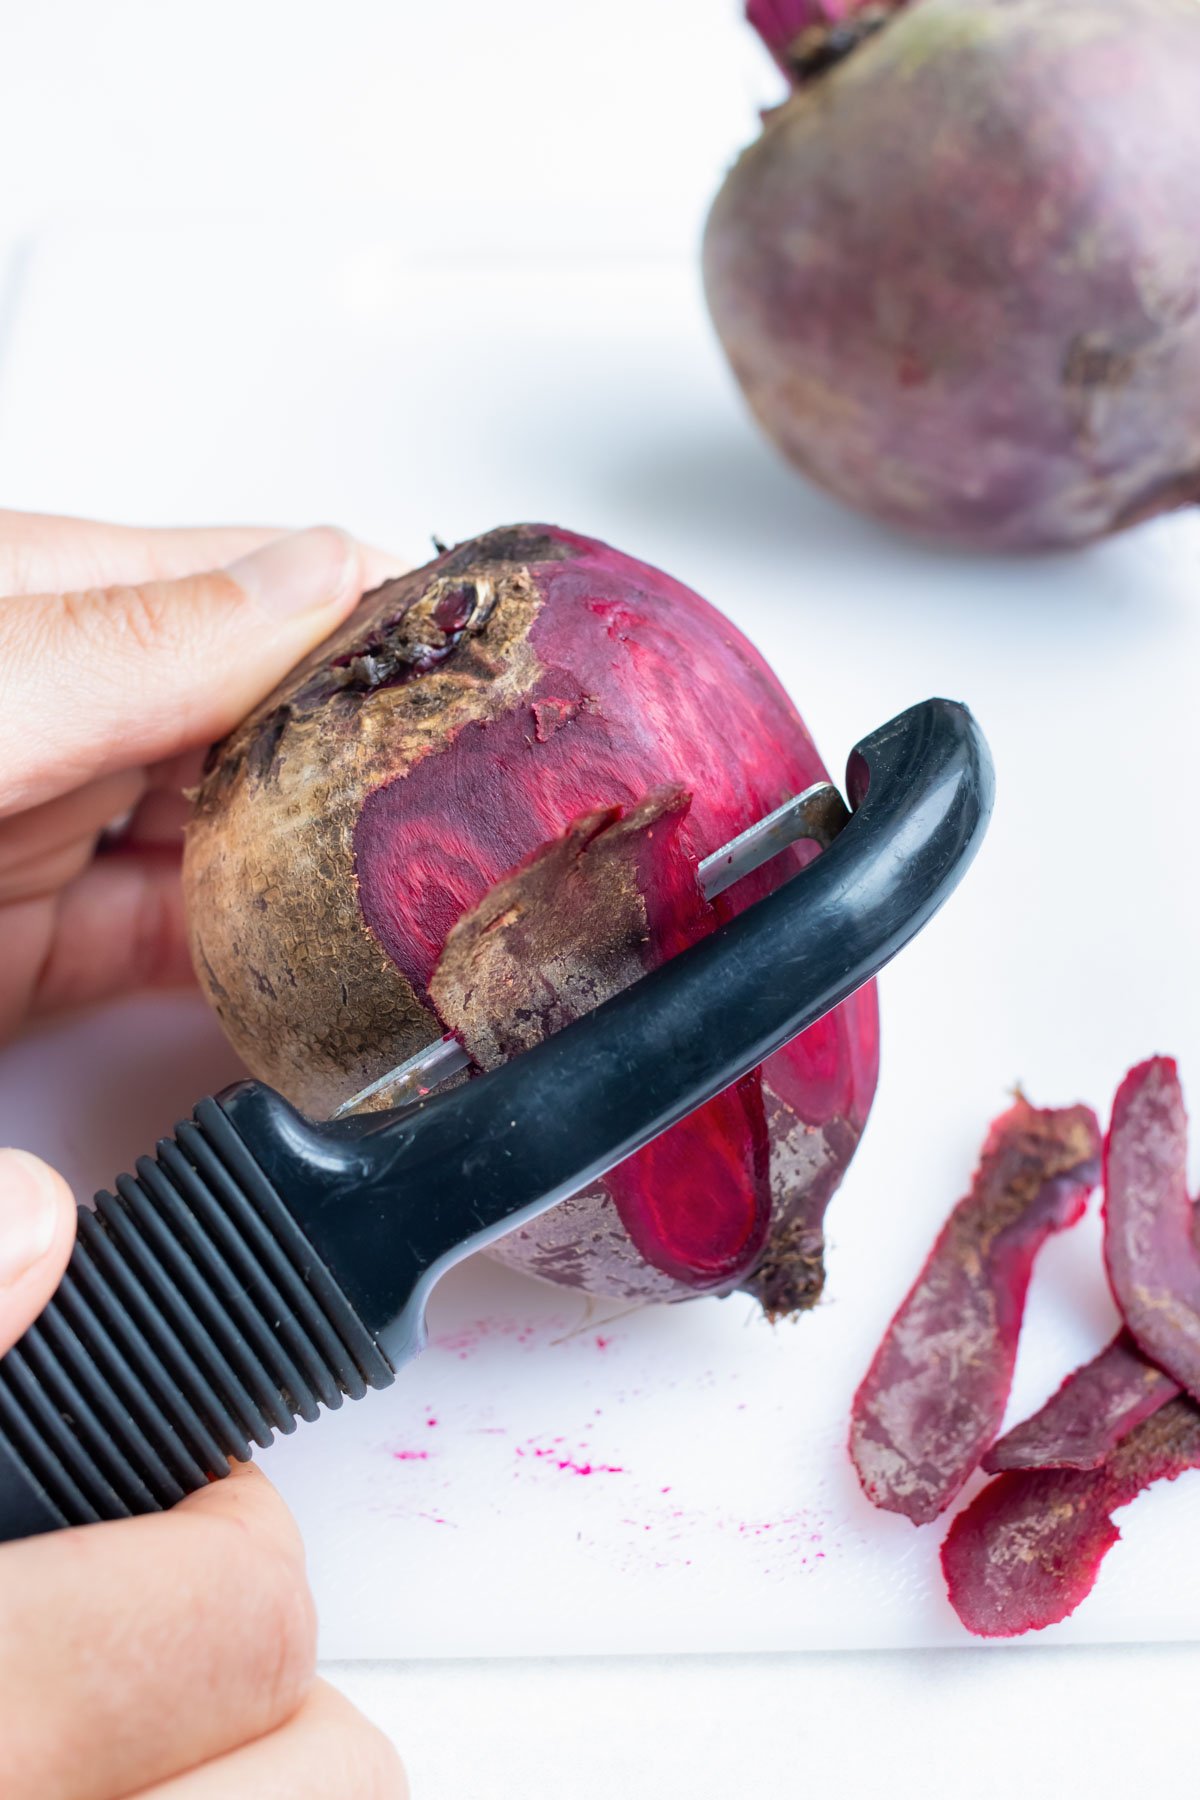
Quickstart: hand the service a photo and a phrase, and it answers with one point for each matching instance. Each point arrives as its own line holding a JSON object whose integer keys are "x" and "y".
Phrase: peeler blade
{"x": 816, "y": 815}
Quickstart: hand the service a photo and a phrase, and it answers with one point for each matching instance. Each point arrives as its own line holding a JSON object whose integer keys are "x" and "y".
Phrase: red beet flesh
{"x": 1028, "y": 1549}
{"x": 957, "y": 276}
{"x": 1095, "y": 1408}
{"x": 1150, "y": 1223}
{"x": 934, "y": 1396}
{"x": 480, "y": 807}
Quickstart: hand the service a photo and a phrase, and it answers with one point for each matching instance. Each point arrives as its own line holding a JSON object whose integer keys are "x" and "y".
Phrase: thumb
{"x": 37, "y": 1228}
{"x": 112, "y": 678}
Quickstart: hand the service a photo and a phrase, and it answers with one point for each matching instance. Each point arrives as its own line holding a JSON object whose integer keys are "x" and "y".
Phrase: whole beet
{"x": 480, "y": 807}
{"x": 958, "y": 275}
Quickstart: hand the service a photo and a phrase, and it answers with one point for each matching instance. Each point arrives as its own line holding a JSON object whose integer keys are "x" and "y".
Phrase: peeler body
{"x": 264, "y": 1265}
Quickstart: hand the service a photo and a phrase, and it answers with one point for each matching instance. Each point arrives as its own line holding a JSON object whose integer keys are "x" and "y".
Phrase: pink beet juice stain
{"x": 554, "y": 1456}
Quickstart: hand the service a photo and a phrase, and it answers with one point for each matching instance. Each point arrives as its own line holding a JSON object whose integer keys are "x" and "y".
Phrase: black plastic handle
{"x": 264, "y": 1264}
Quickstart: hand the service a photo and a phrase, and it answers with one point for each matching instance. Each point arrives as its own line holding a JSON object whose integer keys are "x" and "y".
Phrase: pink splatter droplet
{"x": 411, "y": 1455}
{"x": 552, "y": 1454}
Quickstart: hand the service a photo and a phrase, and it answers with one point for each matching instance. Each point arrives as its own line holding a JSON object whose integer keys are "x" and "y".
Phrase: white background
{"x": 169, "y": 179}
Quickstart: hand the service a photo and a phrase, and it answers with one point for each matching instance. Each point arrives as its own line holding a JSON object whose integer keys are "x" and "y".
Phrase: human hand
{"x": 171, "y": 1657}
{"x": 122, "y": 655}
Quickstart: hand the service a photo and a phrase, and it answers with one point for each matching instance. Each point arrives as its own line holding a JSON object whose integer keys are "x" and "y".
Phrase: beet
{"x": 934, "y": 1396}
{"x": 480, "y": 806}
{"x": 1028, "y": 1549}
{"x": 1096, "y": 1406}
{"x": 1150, "y": 1224}
{"x": 958, "y": 275}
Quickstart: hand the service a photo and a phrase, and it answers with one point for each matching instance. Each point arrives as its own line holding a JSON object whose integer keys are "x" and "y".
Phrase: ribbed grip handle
{"x": 194, "y": 1319}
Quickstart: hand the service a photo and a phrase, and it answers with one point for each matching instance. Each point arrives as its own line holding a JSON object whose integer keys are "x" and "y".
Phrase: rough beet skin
{"x": 934, "y": 1397}
{"x": 958, "y": 275}
{"x": 480, "y": 807}
{"x": 1028, "y": 1549}
{"x": 1150, "y": 1223}
{"x": 1081, "y": 1425}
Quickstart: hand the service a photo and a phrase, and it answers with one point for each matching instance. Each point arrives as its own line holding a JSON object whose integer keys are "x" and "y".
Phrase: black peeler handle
{"x": 263, "y": 1265}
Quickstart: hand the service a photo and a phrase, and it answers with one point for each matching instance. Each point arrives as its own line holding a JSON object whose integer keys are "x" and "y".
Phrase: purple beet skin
{"x": 1150, "y": 1223}
{"x": 958, "y": 275}
{"x": 1029, "y": 1547}
{"x": 1095, "y": 1408}
{"x": 934, "y": 1396}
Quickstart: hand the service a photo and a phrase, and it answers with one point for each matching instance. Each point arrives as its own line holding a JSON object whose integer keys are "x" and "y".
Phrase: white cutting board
{"x": 673, "y": 1479}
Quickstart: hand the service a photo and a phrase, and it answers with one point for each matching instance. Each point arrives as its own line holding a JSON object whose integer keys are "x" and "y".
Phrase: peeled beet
{"x": 933, "y": 1399}
{"x": 958, "y": 275}
{"x": 1150, "y": 1224}
{"x": 1028, "y": 1549}
{"x": 480, "y": 807}
{"x": 1096, "y": 1406}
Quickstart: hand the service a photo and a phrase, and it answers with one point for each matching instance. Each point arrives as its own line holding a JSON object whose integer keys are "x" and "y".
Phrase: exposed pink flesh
{"x": 1149, "y": 1221}
{"x": 1028, "y": 1549}
{"x": 934, "y": 1396}
{"x": 1096, "y": 1406}
{"x": 575, "y": 923}
{"x": 638, "y": 683}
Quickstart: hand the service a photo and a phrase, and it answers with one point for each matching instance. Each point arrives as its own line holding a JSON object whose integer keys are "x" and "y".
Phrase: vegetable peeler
{"x": 263, "y": 1265}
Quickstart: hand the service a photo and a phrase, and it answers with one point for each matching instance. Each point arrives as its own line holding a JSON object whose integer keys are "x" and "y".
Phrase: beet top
{"x": 480, "y": 807}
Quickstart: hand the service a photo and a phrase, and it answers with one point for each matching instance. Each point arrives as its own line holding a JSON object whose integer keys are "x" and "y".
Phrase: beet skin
{"x": 1150, "y": 1223}
{"x": 480, "y": 807}
{"x": 958, "y": 275}
{"x": 1081, "y": 1425}
{"x": 934, "y": 1397}
{"x": 1028, "y": 1549}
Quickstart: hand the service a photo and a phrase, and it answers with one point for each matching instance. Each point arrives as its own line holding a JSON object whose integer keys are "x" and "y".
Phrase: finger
{"x": 162, "y": 813}
{"x": 328, "y": 1749}
{"x": 27, "y": 932}
{"x": 44, "y": 848}
{"x": 111, "y": 678}
{"x": 134, "y": 1651}
{"x": 40, "y": 553}
{"x": 37, "y": 1229}
{"x": 158, "y": 819}
{"x": 116, "y": 929}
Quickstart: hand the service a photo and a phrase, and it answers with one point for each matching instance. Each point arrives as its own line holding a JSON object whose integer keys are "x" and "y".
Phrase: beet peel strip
{"x": 1150, "y": 1247}
{"x": 1028, "y": 1548}
{"x": 1095, "y": 1408}
{"x": 934, "y": 1396}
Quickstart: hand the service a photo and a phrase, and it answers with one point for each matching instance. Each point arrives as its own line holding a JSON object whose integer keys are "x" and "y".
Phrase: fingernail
{"x": 300, "y": 573}
{"x": 28, "y": 1213}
